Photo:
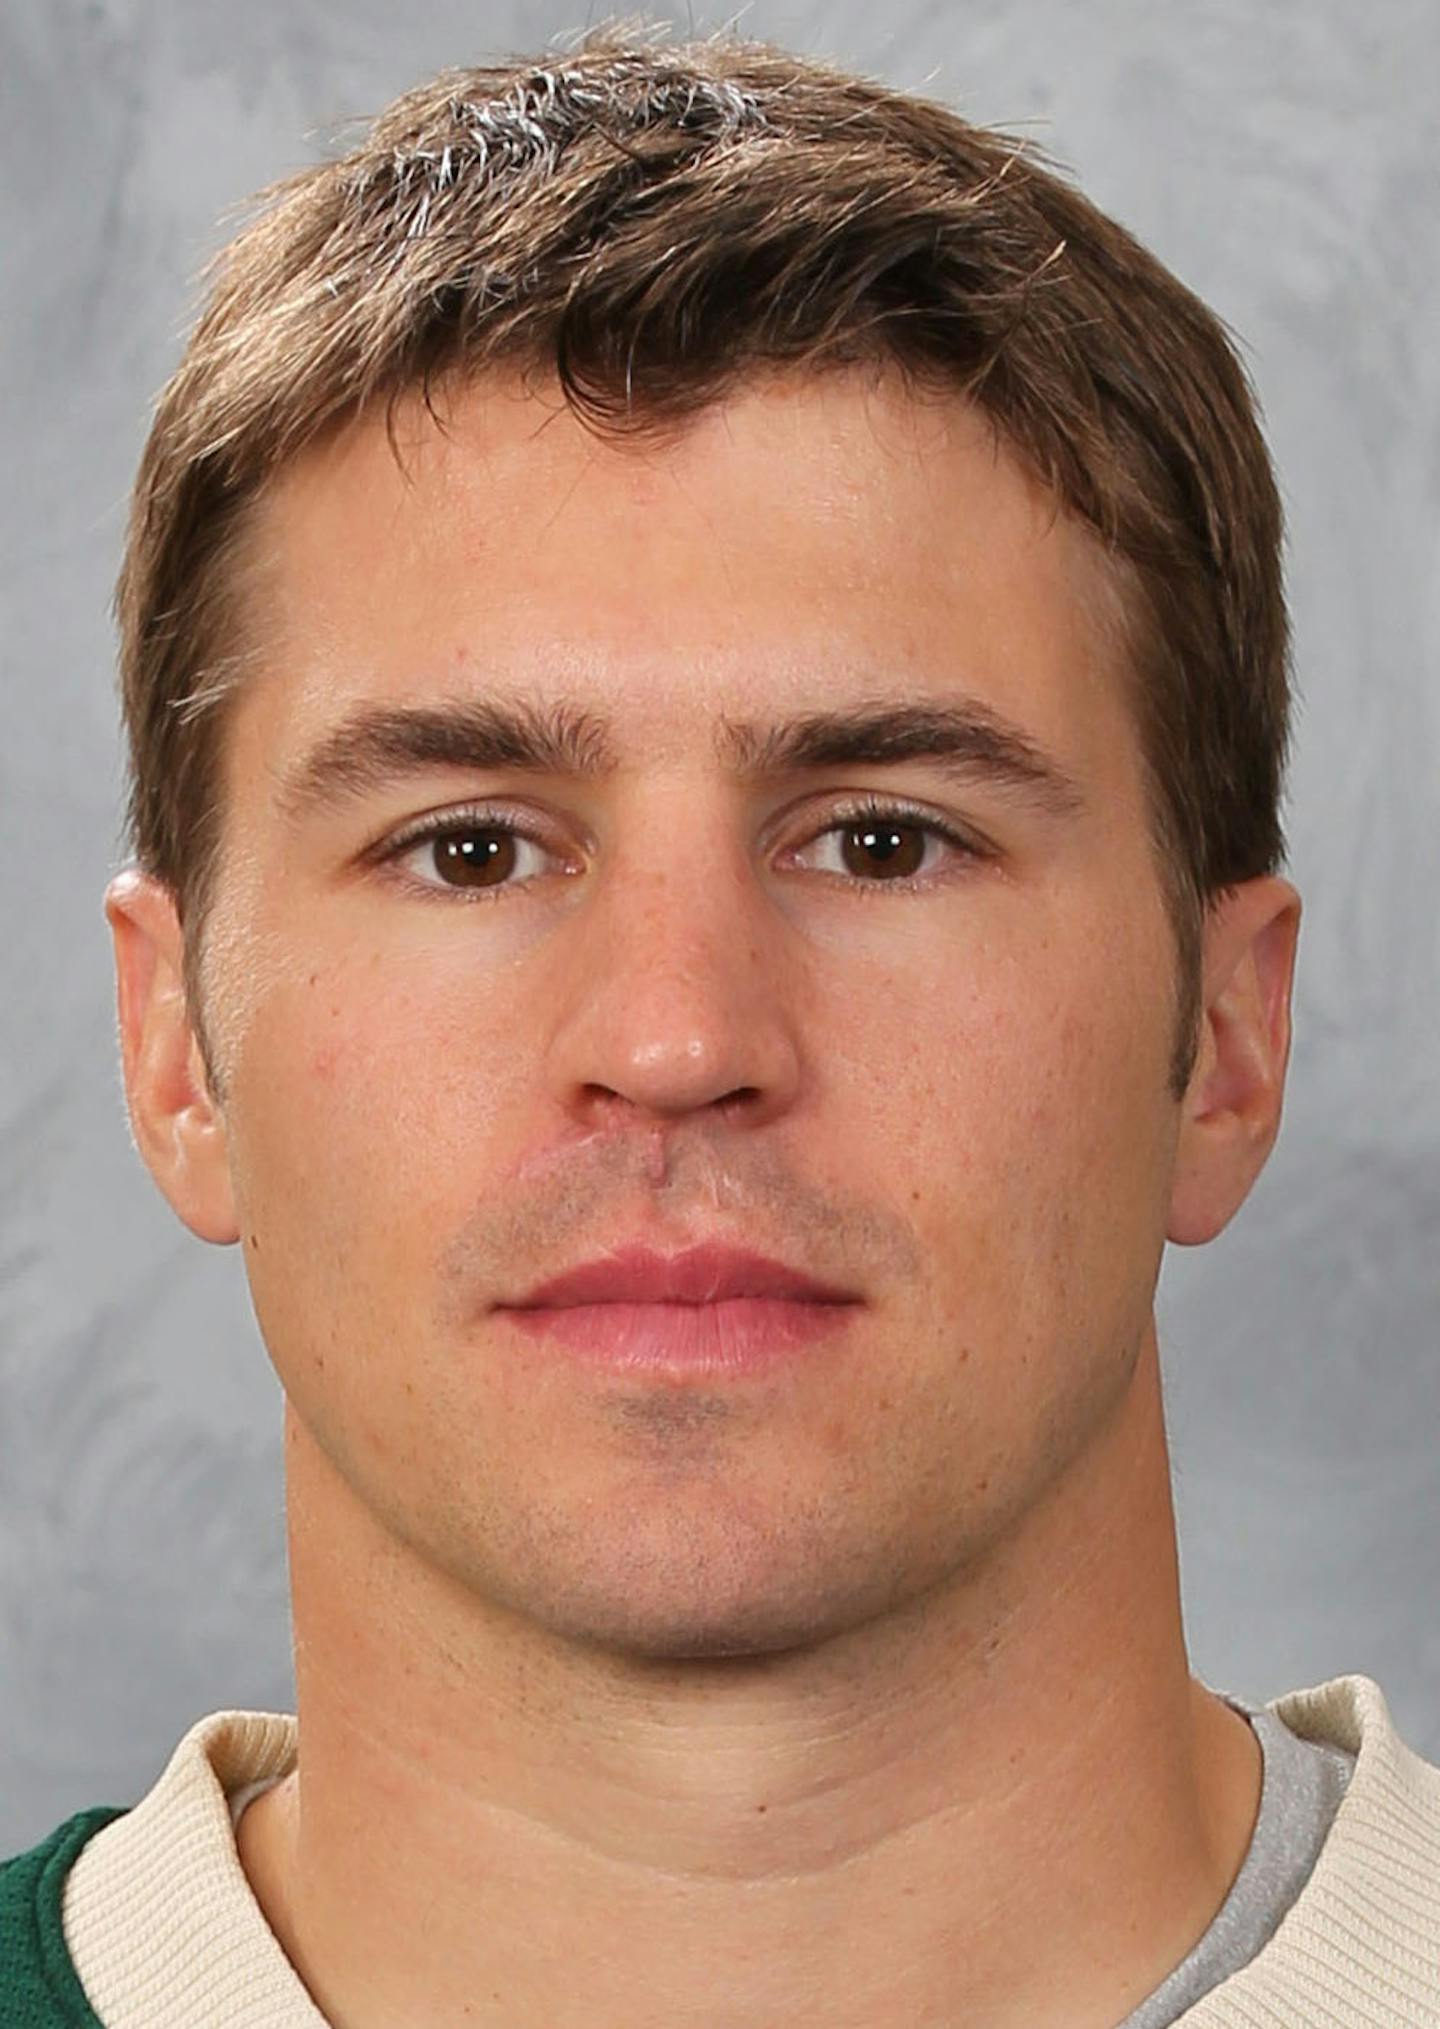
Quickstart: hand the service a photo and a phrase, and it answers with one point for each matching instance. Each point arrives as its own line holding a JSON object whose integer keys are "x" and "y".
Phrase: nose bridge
{"x": 676, "y": 993}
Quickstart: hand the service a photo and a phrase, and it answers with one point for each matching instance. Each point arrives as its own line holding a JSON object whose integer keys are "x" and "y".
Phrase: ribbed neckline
{"x": 166, "y": 1933}
{"x": 160, "y": 1919}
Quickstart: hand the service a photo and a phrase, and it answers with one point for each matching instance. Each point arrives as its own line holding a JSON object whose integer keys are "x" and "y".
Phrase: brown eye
{"x": 878, "y": 848}
{"x": 474, "y": 858}
{"x": 887, "y": 850}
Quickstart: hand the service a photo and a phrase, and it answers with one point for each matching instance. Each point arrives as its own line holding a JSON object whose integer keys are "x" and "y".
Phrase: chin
{"x": 692, "y": 1640}
{"x": 706, "y": 1622}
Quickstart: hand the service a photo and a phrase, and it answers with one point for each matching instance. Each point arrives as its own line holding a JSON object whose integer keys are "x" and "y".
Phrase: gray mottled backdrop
{"x": 1284, "y": 159}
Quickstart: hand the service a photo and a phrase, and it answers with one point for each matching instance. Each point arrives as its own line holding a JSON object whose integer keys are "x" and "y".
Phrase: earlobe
{"x": 178, "y": 1126}
{"x": 1230, "y": 1115}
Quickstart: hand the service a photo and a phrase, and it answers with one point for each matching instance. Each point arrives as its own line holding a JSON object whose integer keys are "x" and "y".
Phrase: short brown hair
{"x": 649, "y": 221}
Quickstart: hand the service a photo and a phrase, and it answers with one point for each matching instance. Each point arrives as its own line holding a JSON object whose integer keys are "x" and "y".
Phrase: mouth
{"x": 707, "y": 1274}
{"x": 709, "y": 1310}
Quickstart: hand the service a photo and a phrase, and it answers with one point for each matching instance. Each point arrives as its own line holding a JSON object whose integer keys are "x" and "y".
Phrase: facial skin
{"x": 855, "y": 1691}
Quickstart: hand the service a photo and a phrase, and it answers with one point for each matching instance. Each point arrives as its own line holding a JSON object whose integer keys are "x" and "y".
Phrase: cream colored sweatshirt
{"x": 164, "y": 1932}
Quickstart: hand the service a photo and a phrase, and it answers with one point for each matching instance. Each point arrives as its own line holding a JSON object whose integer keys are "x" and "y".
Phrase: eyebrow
{"x": 969, "y": 740}
{"x": 378, "y": 746}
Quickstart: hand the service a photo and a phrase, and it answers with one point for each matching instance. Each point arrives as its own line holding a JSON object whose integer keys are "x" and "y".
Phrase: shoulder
{"x": 1353, "y": 1713}
{"x": 1361, "y": 1943}
{"x": 1389, "y": 1821}
{"x": 39, "y": 1987}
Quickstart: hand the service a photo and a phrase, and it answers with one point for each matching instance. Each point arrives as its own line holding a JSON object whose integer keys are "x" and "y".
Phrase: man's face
{"x": 691, "y": 1003}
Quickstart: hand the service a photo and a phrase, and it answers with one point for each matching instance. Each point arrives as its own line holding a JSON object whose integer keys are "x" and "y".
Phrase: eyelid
{"x": 876, "y": 807}
{"x": 456, "y": 817}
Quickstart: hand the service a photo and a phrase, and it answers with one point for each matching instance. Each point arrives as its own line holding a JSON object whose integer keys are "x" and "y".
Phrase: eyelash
{"x": 867, "y": 810}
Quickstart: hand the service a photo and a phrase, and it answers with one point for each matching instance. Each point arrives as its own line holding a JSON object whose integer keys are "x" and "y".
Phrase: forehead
{"x": 808, "y": 538}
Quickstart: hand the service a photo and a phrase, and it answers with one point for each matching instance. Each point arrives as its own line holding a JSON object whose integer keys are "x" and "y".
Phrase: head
{"x": 664, "y": 413}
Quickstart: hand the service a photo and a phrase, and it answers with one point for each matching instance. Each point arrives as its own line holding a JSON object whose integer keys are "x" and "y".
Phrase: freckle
{"x": 762, "y": 1807}
{"x": 914, "y": 1197}
{"x": 982, "y": 1486}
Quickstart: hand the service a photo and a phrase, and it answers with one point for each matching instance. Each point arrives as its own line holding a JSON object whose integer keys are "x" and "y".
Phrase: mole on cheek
{"x": 325, "y": 1058}
{"x": 322, "y": 1064}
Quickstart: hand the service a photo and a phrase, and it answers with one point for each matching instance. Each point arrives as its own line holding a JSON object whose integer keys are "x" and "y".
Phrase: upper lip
{"x": 703, "y": 1274}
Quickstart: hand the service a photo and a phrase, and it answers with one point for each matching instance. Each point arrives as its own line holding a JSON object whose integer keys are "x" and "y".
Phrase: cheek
{"x": 361, "y": 1114}
{"x": 364, "y": 1134}
{"x": 1028, "y": 1127}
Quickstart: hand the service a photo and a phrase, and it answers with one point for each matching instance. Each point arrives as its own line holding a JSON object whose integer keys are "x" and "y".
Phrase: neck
{"x": 1006, "y": 1802}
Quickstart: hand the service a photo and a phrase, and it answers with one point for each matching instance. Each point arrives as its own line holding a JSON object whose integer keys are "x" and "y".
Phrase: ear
{"x": 178, "y": 1126}
{"x": 1230, "y": 1114}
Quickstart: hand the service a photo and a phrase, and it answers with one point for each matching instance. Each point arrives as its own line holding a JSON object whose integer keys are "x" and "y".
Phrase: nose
{"x": 680, "y": 994}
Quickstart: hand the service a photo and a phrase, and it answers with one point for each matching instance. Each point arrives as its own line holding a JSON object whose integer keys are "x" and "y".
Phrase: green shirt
{"x": 41, "y": 1988}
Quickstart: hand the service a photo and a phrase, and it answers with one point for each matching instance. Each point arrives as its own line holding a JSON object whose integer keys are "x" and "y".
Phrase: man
{"x": 705, "y": 665}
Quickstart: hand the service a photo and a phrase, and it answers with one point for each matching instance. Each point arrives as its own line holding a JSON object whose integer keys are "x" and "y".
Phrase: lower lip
{"x": 737, "y": 1335}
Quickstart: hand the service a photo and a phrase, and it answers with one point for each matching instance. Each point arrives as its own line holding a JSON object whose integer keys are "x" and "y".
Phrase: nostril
{"x": 605, "y": 1099}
